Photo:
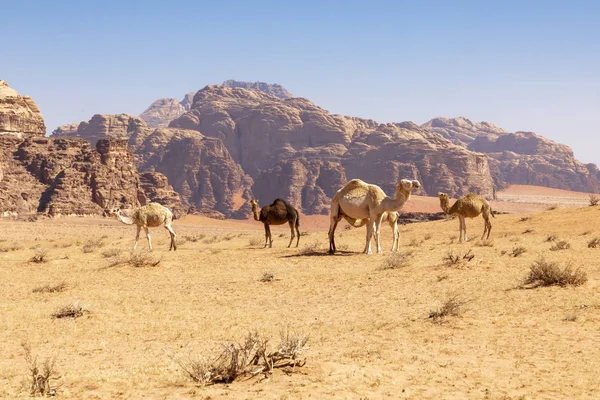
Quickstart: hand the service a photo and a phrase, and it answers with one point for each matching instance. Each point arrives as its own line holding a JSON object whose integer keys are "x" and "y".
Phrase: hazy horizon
{"x": 522, "y": 66}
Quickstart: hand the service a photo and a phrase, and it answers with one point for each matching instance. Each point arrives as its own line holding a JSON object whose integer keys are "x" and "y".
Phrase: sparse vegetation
{"x": 518, "y": 251}
{"x": 312, "y": 247}
{"x": 11, "y": 247}
{"x": 415, "y": 242}
{"x": 529, "y": 230}
{"x": 194, "y": 238}
{"x": 251, "y": 357}
{"x": 551, "y": 238}
{"x": 455, "y": 259}
{"x": 594, "y": 243}
{"x": 486, "y": 243}
{"x": 212, "y": 239}
{"x": 71, "y": 310}
{"x": 108, "y": 253}
{"x": 40, "y": 376}
{"x": 451, "y": 307}
{"x": 570, "y": 318}
{"x": 525, "y": 218}
{"x": 562, "y": 245}
{"x": 40, "y": 256}
{"x": 548, "y": 273}
{"x": 267, "y": 277}
{"x": 143, "y": 258}
{"x": 552, "y": 207}
{"x": 92, "y": 245}
{"x": 59, "y": 287}
{"x": 397, "y": 260}
{"x": 256, "y": 240}
{"x": 594, "y": 200}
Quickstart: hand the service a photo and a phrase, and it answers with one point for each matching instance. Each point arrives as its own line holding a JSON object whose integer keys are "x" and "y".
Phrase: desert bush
{"x": 212, "y": 239}
{"x": 452, "y": 306}
{"x": 594, "y": 243}
{"x": 594, "y": 200}
{"x": 525, "y": 218}
{"x": 586, "y": 233}
{"x": 517, "y": 251}
{"x": 414, "y": 242}
{"x": 108, "y": 253}
{"x": 59, "y": 287}
{"x": 486, "y": 243}
{"x": 311, "y": 247}
{"x": 92, "y": 245}
{"x": 397, "y": 260}
{"x": 143, "y": 258}
{"x": 40, "y": 256}
{"x": 40, "y": 376}
{"x": 529, "y": 230}
{"x": 570, "y": 318}
{"x": 427, "y": 236}
{"x": 71, "y": 310}
{"x": 256, "y": 240}
{"x": 562, "y": 245}
{"x": 551, "y": 238}
{"x": 455, "y": 259}
{"x": 195, "y": 238}
{"x": 228, "y": 237}
{"x": 548, "y": 273}
{"x": 250, "y": 357}
{"x": 11, "y": 247}
{"x": 267, "y": 277}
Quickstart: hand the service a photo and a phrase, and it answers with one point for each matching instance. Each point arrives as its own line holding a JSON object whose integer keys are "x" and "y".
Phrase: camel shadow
{"x": 339, "y": 253}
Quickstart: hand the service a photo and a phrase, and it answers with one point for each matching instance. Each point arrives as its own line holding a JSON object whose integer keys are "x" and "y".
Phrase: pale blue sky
{"x": 523, "y": 65}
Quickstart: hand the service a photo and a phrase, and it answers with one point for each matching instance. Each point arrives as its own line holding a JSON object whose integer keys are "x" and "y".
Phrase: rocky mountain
{"x": 520, "y": 157}
{"x": 19, "y": 115}
{"x": 163, "y": 111}
{"x": 270, "y": 88}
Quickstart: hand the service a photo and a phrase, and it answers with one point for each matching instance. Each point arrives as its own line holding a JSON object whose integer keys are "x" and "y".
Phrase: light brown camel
{"x": 277, "y": 213}
{"x": 469, "y": 206}
{"x": 149, "y": 216}
{"x": 392, "y": 219}
{"x": 360, "y": 200}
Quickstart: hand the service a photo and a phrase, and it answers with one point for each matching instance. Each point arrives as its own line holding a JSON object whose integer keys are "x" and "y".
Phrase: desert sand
{"x": 370, "y": 332}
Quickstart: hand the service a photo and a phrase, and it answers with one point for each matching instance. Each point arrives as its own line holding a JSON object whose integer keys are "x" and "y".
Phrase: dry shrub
{"x": 143, "y": 258}
{"x": 108, "y": 253}
{"x": 517, "y": 251}
{"x": 228, "y": 237}
{"x": 586, "y": 233}
{"x": 552, "y": 207}
{"x": 551, "y": 238}
{"x": 212, "y": 239}
{"x": 92, "y": 245}
{"x": 548, "y": 273}
{"x": 397, "y": 260}
{"x": 59, "y": 287}
{"x": 562, "y": 245}
{"x": 311, "y": 247}
{"x": 195, "y": 238}
{"x": 525, "y": 218}
{"x": 414, "y": 242}
{"x": 11, "y": 247}
{"x": 40, "y": 375}
{"x": 529, "y": 230}
{"x": 256, "y": 240}
{"x": 40, "y": 256}
{"x": 450, "y": 307}
{"x": 455, "y": 259}
{"x": 342, "y": 247}
{"x": 71, "y": 310}
{"x": 594, "y": 243}
{"x": 267, "y": 277}
{"x": 251, "y": 357}
{"x": 594, "y": 200}
{"x": 427, "y": 236}
{"x": 486, "y": 243}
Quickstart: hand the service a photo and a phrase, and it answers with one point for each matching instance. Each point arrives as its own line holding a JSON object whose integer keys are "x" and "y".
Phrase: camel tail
{"x": 492, "y": 212}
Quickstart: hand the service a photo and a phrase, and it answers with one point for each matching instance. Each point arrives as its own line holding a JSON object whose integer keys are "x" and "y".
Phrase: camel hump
{"x": 356, "y": 184}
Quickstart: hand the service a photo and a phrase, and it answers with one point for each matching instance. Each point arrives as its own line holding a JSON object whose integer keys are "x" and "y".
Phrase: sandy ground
{"x": 370, "y": 335}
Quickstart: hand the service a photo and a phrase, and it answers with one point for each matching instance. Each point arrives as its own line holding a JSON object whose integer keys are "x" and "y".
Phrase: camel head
{"x": 255, "y": 209}
{"x": 443, "y": 196}
{"x": 444, "y": 200}
{"x": 407, "y": 185}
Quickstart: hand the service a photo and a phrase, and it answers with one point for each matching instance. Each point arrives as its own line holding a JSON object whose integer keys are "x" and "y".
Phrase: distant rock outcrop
{"x": 163, "y": 111}
{"x": 19, "y": 115}
{"x": 521, "y": 157}
{"x": 270, "y": 88}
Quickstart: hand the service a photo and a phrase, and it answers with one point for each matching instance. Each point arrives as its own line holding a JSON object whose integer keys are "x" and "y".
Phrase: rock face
{"x": 521, "y": 157}
{"x": 270, "y": 88}
{"x": 163, "y": 111}
{"x": 19, "y": 115}
{"x": 101, "y": 127}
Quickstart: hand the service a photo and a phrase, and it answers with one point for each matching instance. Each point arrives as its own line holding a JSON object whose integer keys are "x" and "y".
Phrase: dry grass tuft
{"x": 212, "y": 239}
{"x": 256, "y": 240}
{"x": 92, "y": 245}
{"x": 562, "y": 245}
{"x": 529, "y": 230}
{"x": 59, "y": 287}
{"x": 143, "y": 258}
{"x": 40, "y": 256}
{"x": 267, "y": 277}
{"x": 397, "y": 260}
{"x": 11, "y": 247}
{"x": 525, "y": 218}
{"x": 551, "y": 238}
{"x": 548, "y": 273}
{"x": 517, "y": 251}
{"x": 250, "y": 357}
{"x": 486, "y": 243}
{"x": 312, "y": 247}
{"x": 594, "y": 200}
{"x": 40, "y": 375}
{"x": 72, "y": 310}
{"x": 414, "y": 242}
{"x": 552, "y": 207}
{"x": 194, "y": 238}
{"x": 594, "y": 243}
{"x": 451, "y": 307}
{"x": 455, "y": 259}
{"x": 109, "y": 253}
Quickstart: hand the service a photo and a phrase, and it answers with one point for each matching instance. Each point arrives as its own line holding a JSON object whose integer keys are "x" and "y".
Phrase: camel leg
{"x": 460, "y": 229}
{"x": 396, "y": 232}
{"x": 148, "y": 237}
{"x": 297, "y": 233}
{"x": 266, "y": 235}
{"x": 489, "y": 227}
{"x": 334, "y": 223}
{"x": 464, "y": 221}
{"x": 137, "y": 236}
{"x": 292, "y": 223}
{"x": 377, "y": 233}
{"x": 370, "y": 230}
{"x": 270, "y": 237}
{"x": 173, "y": 237}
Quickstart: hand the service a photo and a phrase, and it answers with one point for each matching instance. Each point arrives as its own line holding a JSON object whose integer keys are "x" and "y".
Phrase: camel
{"x": 469, "y": 206}
{"x": 391, "y": 217}
{"x": 277, "y": 213}
{"x": 151, "y": 215}
{"x": 360, "y": 200}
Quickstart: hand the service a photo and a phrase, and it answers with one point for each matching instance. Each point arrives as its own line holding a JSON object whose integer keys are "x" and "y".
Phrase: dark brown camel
{"x": 277, "y": 213}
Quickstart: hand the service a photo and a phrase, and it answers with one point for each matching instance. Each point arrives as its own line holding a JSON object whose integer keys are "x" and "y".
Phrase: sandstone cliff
{"x": 19, "y": 115}
{"x": 163, "y": 111}
{"x": 270, "y": 88}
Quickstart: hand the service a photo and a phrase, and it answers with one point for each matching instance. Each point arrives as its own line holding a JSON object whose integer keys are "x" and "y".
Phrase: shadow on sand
{"x": 339, "y": 253}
